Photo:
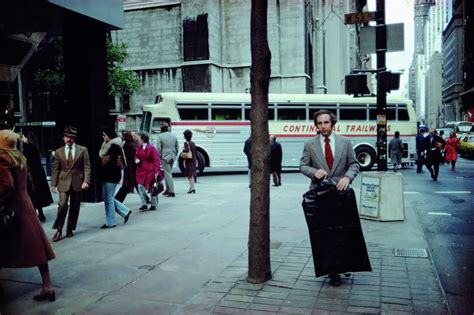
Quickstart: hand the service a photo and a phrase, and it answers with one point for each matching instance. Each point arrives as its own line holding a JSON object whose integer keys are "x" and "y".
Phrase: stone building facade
{"x": 204, "y": 46}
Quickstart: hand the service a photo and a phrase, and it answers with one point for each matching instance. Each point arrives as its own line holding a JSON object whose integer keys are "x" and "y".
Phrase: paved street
{"x": 189, "y": 257}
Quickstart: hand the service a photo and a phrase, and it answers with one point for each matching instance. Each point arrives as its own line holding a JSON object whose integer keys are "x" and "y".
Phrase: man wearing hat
{"x": 71, "y": 175}
{"x": 167, "y": 145}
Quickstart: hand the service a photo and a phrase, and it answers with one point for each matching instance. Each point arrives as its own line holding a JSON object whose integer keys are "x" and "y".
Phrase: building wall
{"x": 452, "y": 69}
{"x": 433, "y": 89}
{"x": 169, "y": 52}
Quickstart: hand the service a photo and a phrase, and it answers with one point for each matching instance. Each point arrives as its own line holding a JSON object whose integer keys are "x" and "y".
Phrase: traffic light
{"x": 389, "y": 81}
{"x": 356, "y": 84}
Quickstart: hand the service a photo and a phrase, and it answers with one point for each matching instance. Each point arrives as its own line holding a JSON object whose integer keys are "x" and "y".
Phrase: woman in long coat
{"x": 451, "y": 154}
{"x": 40, "y": 194}
{"x": 129, "y": 182}
{"x": 395, "y": 149}
{"x": 190, "y": 165}
{"x": 147, "y": 161}
{"x": 25, "y": 244}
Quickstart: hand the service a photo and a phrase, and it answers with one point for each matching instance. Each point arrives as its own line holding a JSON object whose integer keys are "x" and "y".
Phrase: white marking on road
{"x": 439, "y": 213}
{"x": 411, "y": 192}
{"x": 453, "y": 192}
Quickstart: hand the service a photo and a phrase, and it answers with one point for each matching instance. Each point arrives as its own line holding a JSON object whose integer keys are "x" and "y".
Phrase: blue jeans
{"x": 143, "y": 196}
{"x": 111, "y": 204}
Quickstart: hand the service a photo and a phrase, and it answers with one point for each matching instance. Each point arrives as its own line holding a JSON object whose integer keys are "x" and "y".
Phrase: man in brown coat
{"x": 71, "y": 175}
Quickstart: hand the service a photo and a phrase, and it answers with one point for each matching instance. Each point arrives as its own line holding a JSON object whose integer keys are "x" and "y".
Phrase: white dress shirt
{"x": 331, "y": 143}
{"x": 73, "y": 150}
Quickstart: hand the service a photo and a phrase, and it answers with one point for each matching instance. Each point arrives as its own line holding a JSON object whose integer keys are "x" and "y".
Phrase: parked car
{"x": 467, "y": 146}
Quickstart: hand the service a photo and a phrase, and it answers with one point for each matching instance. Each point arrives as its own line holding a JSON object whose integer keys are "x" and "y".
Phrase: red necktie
{"x": 328, "y": 153}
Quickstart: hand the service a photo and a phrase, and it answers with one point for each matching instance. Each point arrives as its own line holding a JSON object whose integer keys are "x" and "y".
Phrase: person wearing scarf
{"x": 111, "y": 157}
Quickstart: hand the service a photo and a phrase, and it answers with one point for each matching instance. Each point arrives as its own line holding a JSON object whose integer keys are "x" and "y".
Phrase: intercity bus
{"x": 220, "y": 124}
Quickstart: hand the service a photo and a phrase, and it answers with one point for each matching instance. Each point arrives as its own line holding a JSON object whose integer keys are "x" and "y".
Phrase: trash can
{"x": 337, "y": 241}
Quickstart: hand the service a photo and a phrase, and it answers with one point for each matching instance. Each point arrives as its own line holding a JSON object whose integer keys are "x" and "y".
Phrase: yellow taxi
{"x": 467, "y": 146}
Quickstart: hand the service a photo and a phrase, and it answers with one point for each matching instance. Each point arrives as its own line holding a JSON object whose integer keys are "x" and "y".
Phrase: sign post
{"x": 381, "y": 48}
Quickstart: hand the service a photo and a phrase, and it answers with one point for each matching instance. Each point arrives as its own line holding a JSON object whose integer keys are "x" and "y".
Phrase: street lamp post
{"x": 381, "y": 48}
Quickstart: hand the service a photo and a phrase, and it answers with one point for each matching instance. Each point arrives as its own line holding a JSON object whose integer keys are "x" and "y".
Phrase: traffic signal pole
{"x": 381, "y": 49}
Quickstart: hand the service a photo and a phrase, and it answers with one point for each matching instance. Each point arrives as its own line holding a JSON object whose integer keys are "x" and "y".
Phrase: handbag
{"x": 157, "y": 187}
{"x": 186, "y": 155}
{"x": 7, "y": 218}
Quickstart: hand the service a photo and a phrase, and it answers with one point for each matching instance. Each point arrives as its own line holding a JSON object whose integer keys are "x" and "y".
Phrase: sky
{"x": 399, "y": 11}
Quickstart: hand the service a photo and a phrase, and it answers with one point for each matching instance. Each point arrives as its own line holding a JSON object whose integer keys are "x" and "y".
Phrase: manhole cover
{"x": 275, "y": 245}
{"x": 411, "y": 252}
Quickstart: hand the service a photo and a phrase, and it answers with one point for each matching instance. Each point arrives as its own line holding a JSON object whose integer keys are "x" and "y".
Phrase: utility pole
{"x": 381, "y": 49}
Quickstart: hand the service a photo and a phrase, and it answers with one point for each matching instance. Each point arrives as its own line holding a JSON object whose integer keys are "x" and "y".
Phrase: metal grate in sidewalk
{"x": 410, "y": 252}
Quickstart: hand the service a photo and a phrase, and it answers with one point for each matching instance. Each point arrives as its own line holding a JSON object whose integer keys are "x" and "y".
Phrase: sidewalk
{"x": 190, "y": 257}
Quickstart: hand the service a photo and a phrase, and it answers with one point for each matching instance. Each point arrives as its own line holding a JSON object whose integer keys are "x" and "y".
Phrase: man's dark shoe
{"x": 335, "y": 280}
{"x": 125, "y": 219}
{"x": 170, "y": 195}
{"x": 144, "y": 207}
{"x": 57, "y": 236}
{"x": 152, "y": 208}
{"x": 69, "y": 234}
{"x": 105, "y": 226}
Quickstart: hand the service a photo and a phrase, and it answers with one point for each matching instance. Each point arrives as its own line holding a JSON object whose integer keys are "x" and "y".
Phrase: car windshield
{"x": 471, "y": 140}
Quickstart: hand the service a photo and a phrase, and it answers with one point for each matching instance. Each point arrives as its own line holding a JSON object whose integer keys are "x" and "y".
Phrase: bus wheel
{"x": 366, "y": 157}
{"x": 200, "y": 164}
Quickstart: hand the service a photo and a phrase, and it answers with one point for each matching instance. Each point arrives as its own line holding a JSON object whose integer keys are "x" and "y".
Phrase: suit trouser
{"x": 167, "y": 169}
{"x": 420, "y": 161}
{"x": 74, "y": 207}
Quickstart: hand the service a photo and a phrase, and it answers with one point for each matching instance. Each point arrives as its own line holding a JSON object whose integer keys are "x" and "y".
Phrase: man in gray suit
{"x": 167, "y": 145}
{"x": 331, "y": 156}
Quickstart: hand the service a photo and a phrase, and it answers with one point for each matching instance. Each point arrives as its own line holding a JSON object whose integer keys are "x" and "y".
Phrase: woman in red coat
{"x": 451, "y": 154}
{"x": 190, "y": 164}
{"x": 25, "y": 244}
{"x": 147, "y": 161}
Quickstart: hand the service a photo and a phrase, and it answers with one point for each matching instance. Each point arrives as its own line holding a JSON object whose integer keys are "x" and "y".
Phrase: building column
{"x": 86, "y": 87}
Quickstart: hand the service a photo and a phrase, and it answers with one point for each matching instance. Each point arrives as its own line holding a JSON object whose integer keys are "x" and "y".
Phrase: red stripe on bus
{"x": 211, "y": 123}
{"x": 345, "y": 135}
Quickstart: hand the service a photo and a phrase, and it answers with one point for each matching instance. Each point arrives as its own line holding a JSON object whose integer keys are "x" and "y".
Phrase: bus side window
{"x": 291, "y": 113}
{"x": 271, "y": 112}
{"x": 403, "y": 113}
{"x": 352, "y": 113}
{"x": 193, "y": 113}
{"x": 226, "y": 114}
{"x": 391, "y": 113}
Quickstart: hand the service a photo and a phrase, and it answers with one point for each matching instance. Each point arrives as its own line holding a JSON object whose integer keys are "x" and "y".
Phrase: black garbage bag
{"x": 335, "y": 232}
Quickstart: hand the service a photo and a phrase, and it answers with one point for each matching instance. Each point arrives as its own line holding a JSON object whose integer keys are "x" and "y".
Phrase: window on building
{"x": 196, "y": 38}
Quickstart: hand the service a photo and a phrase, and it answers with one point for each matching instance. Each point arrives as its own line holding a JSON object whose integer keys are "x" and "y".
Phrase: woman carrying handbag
{"x": 189, "y": 157}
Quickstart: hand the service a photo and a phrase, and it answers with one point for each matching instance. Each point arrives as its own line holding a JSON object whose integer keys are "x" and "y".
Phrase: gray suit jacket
{"x": 345, "y": 163}
{"x": 167, "y": 145}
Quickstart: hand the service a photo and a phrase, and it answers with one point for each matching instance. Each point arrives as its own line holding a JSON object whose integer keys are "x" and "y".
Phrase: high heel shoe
{"x": 191, "y": 191}
{"x": 45, "y": 295}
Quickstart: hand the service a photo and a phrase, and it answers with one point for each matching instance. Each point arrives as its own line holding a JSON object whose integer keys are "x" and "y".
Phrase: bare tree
{"x": 259, "y": 232}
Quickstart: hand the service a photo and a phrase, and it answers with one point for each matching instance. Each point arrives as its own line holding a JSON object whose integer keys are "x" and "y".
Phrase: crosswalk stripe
{"x": 453, "y": 192}
{"x": 439, "y": 213}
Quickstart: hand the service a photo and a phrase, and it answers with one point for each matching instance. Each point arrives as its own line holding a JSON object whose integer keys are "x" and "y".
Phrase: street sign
{"x": 395, "y": 38}
{"x": 356, "y": 18}
{"x": 36, "y": 124}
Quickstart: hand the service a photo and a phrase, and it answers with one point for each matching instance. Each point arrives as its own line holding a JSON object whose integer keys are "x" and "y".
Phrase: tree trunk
{"x": 259, "y": 231}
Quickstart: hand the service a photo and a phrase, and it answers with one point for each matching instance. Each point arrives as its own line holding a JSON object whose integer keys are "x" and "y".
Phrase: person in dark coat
{"x": 190, "y": 165}
{"x": 433, "y": 145}
{"x": 129, "y": 182}
{"x": 276, "y": 158}
{"x": 26, "y": 244}
{"x": 248, "y": 153}
{"x": 40, "y": 193}
{"x": 110, "y": 172}
{"x": 420, "y": 148}
{"x": 395, "y": 150}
